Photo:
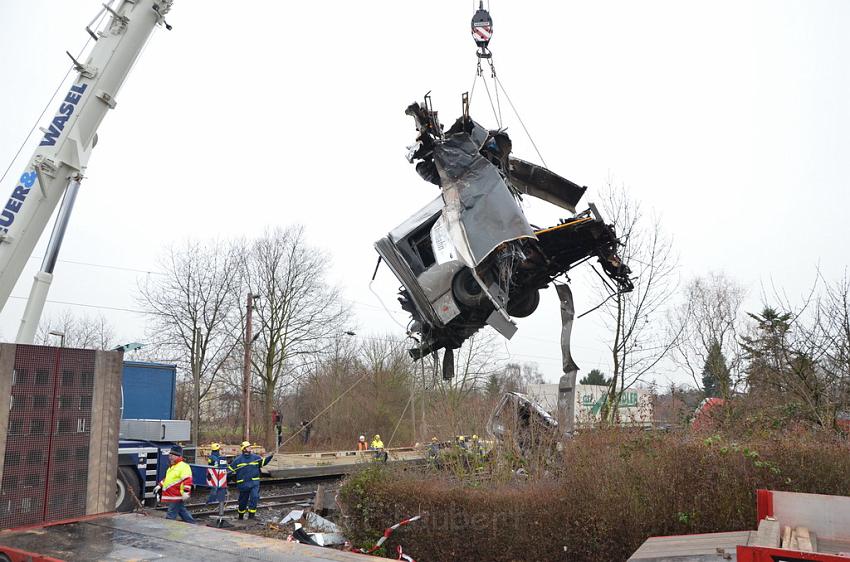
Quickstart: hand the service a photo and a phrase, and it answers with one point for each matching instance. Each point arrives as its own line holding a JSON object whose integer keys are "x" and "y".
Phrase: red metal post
{"x": 764, "y": 504}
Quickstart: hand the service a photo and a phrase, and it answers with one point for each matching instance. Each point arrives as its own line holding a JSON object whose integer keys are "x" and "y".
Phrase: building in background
{"x": 635, "y": 406}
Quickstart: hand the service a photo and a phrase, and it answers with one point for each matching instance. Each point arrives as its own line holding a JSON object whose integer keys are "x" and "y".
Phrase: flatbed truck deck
{"x": 133, "y": 536}
{"x": 823, "y": 522}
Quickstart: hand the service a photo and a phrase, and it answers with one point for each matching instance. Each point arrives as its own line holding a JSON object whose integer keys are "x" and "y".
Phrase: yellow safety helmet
{"x": 461, "y": 438}
{"x": 215, "y": 447}
{"x": 377, "y": 436}
{"x": 246, "y": 445}
{"x": 434, "y": 439}
{"x": 475, "y": 438}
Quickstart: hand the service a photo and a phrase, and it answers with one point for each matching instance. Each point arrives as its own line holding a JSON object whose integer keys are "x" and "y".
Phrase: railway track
{"x": 266, "y": 502}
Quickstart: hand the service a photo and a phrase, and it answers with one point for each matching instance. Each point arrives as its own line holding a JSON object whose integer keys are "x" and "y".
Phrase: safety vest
{"x": 377, "y": 444}
{"x": 247, "y": 468}
{"x": 177, "y": 481}
{"x": 361, "y": 446}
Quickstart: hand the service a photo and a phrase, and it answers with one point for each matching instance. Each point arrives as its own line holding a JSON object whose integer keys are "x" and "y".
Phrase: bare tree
{"x": 84, "y": 332}
{"x": 833, "y": 321}
{"x": 638, "y": 344}
{"x": 799, "y": 355}
{"x": 475, "y": 361}
{"x": 298, "y": 312}
{"x": 479, "y": 368}
{"x": 194, "y": 313}
{"x": 707, "y": 321}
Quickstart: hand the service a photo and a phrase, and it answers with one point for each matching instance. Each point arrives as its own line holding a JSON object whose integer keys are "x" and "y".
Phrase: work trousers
{"x": 249, "y": 497}
{"x": 177, "y": 508}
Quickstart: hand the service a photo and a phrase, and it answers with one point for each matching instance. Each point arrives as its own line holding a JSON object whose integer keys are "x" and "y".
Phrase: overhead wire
{"x": 105, "y": 266}
{"x": 84, "y": 305}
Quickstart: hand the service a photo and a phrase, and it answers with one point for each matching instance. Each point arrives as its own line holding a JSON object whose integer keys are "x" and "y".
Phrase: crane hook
{"x": 482, "y": 31}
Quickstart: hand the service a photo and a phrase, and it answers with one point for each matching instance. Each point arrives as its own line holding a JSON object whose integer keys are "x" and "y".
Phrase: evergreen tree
{"x": 596, "y": 377}
{"x": 716, "y": 378}
{"x": 767, "y": 347}
{"x": 493, "y": 387}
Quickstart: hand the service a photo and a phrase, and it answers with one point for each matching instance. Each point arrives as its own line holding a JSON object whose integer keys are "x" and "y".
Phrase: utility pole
{"x": 246, "y": 367}
{"x": 197, "y": 335}
{"x": 413, "y": 404}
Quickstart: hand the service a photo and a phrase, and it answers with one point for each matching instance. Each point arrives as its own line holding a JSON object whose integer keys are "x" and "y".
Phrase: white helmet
{"x": 363, "y": 438}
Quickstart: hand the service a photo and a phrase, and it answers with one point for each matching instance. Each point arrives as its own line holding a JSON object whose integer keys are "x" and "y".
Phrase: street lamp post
{"x": 60, "y": 335}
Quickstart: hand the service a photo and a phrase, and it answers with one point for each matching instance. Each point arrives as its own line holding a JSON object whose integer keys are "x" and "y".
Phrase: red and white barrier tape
{"x": 387, "y": 533}
{"x": 402, "y": 555}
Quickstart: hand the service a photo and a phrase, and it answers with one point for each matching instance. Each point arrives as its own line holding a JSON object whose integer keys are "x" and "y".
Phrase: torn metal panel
{"x": 567, "y": 383}
{"x": 480, "y": 212}
{"x": 544, "y": 184}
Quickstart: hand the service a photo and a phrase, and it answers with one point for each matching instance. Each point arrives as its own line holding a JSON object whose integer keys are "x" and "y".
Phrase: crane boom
{"x": 59, "y": 162}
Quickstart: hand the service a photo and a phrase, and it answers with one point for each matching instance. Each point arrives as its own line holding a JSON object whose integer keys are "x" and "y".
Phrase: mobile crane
{"x": 59, "y": 163}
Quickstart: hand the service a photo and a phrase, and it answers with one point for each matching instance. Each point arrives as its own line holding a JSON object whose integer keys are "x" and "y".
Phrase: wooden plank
{"x": 803, "y": 541}
{"x": 786, "y": 537}
{"x": 768, "y": 533}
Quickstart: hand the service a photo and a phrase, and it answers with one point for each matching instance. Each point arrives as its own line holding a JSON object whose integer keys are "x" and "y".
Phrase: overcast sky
{"x": 729, "y": 119}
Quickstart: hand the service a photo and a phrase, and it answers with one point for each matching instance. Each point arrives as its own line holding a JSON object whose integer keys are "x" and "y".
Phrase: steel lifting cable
{"x": 50, "y": 101}
{"x": 401, "y": 417}
{"x": 328, "y": 407}
{"x": 337, "y": 399}
{"x": 492, "y": 106}
{"x": 493, "y": 76}
{"x": 524, "y": 128}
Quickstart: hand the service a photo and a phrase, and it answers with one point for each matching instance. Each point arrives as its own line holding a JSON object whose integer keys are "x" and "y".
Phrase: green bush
{"x": 615, "y": 488}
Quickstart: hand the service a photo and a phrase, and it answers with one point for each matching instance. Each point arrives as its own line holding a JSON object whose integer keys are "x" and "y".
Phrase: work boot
{"x": 252, "y": 515}
{"x": 241, "y": 516}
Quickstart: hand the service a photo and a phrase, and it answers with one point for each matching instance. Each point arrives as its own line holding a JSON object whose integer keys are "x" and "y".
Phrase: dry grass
{"x": 611, "y": 490}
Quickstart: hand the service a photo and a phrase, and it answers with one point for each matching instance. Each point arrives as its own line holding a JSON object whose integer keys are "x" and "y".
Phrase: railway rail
{"x": 274, "y": 501}
{"x": 267, "y": 502}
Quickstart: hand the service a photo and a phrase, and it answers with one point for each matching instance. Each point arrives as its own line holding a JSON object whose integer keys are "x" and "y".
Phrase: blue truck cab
{"x": 148, "y": 431}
